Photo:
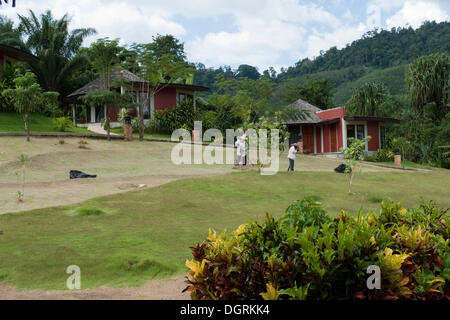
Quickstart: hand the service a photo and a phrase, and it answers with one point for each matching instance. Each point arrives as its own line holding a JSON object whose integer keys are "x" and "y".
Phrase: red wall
{"x": 332, "y": 114}
{"x": 372, "y": 130}
{"x": 165, "y": 99}
{"x": 113, "y": 113}
{"x": 326, "y": 139}
{"x": 337, "y": 113}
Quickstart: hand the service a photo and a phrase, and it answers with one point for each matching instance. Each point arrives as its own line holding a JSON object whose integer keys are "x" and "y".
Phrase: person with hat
{"x": 292, "y": 156}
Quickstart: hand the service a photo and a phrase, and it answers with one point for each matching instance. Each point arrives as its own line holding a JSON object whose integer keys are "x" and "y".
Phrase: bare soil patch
{"x": 153, "y": 290}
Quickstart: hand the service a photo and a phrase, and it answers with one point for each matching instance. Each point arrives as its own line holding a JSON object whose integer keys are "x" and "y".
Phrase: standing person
{"x": 292, "y": 155}
{"x": 239, "y": 152}
{"x": 245, "y": 149}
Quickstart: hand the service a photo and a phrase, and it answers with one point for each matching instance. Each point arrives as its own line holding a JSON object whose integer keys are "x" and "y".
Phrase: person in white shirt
{"x": 292, "y": 155}
{"x": 240, "y": 146}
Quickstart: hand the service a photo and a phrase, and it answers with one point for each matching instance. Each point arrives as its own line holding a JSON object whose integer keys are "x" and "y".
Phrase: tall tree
{"x": 318, "y": 92}
{"x": 246, "y": 71}
{"x": 56, "y": 46}
{"x": 159, "y": 69}
{"x": 366, "y": 100}
{"x": 27, "y": 96}
{"x": 428, "y": 81}
{"x": 105, "y": 55}
{"x": 167, "y": 45}
{"x": 249, "y": 98}
{"x": 10, "y": 34}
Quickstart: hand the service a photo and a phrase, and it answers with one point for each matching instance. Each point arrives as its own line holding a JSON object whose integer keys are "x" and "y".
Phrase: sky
{"x": 261, "y": 33}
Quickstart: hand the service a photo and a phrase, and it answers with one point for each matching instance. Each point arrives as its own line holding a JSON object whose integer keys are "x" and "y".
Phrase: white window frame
{"x": 355, "y": 123}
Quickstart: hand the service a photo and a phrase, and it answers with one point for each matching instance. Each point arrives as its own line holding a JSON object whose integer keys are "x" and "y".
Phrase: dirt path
{"x": 56, "y": 193}
{"x": 97, "y": 128}
{"x": 153, "y": 290}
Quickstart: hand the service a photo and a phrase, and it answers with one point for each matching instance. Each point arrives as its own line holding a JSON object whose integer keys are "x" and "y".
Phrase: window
{"x": 357, "y": 131}
{"x": 360, "y": 132}
{"x": 351, "y": 133}
{"x": 185, "y": 96}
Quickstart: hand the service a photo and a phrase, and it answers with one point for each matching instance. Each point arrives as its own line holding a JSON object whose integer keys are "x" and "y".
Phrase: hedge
{"x": 307, "y": 255}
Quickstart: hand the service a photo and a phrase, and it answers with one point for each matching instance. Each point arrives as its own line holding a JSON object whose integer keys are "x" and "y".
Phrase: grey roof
{"x": 308, "y": 111}
{"x": 129, "y": 77}
{"x": 97, "y": 83}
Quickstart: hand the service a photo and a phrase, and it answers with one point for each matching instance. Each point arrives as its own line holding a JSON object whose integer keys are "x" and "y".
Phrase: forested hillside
{"x": 379, "y": 56}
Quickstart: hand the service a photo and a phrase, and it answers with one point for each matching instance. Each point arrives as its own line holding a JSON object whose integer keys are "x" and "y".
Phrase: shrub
{"x": 384, "y": 155}
{"x": 308, "y": 255}
{"x": 181, "y": 116}
{"x": 63, "y": 123}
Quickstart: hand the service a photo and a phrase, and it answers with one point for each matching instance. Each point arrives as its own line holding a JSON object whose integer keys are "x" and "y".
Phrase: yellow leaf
{"x": 271, "y": 294}
{"x": 196, "y": 267}
{"x": 389, "y": 261}
{"x": 240, "y": 230}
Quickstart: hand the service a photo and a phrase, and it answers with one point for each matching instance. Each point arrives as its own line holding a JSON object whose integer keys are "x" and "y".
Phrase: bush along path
{"x": 394, "y": 254}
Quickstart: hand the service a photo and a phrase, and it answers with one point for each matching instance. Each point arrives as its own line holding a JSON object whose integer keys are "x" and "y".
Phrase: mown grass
{"x": 147, "y": 234}
{"x": 411, "y": 164}
{"x": 89, "y": 211}
{"x": 13, "y": 122}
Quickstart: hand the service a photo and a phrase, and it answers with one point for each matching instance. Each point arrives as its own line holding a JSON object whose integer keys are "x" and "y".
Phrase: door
{"x": 99, "y": 114}
{"x": 333, "y": 137}
{"x": 295, "y": 134}
{"x": 308, "y": 139}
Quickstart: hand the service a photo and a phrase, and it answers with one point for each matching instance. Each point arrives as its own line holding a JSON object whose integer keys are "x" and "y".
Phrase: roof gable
{"x": 309, "y": 113}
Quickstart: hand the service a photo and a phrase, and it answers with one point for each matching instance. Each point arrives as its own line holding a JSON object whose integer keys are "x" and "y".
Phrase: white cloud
{"x": 339, "y": 37}
{"x": 267, "y": 32}
{"x": 414, "y": 13}
{"x": 114, "y": 19}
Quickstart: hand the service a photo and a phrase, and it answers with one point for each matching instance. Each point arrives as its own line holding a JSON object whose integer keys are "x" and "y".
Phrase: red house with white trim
{"x": 167, "y": 97}
{"x": 327, "y": 131}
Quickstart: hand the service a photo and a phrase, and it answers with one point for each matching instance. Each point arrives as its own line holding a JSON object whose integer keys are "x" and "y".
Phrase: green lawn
{"x": 13, "y": 122}
{"x": 145, "y": 234}
{"x": 410, "y": 164}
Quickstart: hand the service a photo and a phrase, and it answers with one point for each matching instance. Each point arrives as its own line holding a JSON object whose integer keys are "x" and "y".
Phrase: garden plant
{"x": 307, "y": 255}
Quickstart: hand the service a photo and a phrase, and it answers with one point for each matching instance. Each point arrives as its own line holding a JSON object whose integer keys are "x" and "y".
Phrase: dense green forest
{"x": 379, "y": 56}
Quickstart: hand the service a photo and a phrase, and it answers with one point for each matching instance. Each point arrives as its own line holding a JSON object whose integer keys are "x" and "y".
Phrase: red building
{"x": 166, "y": 97}
{"x": 10, "y": 55}
{"x": 327, "y": 131}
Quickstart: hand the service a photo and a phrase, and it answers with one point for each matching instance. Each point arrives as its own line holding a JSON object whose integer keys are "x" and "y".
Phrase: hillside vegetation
{"x": 379, "y": 56}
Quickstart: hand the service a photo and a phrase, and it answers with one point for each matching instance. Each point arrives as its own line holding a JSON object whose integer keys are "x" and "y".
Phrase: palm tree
{"x": 10, "y": 35}
{"x": 50, "y": 40}
{"x": 428, "y": 81}
{"x": 367, "y": 99}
